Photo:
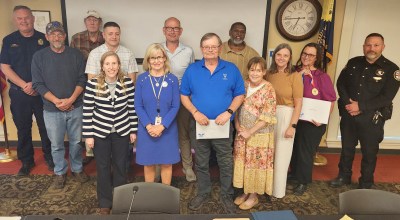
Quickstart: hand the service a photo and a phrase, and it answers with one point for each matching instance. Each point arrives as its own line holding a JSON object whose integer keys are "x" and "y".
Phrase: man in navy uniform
{"x": 366, "y": 87}
{"x": 16, "y": 57}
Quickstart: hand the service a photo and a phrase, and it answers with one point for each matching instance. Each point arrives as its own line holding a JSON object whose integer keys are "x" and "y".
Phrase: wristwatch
{"x": 294, "y": 126}
{"x": 230, "y": 111}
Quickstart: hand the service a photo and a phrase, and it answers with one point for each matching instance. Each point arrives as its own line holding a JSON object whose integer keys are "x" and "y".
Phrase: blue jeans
{"x": 57, "y": 123}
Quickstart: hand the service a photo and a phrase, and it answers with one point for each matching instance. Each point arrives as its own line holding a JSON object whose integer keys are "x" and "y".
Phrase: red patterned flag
{"x": 325, "y": 33}
{"x": 3, "y": 84}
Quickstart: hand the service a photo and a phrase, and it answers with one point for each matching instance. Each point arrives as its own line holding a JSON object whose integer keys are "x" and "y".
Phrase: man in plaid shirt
{"x": 87, "y": 40}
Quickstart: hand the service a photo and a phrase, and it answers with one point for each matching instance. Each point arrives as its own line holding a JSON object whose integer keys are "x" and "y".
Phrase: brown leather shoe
{"x": 104, "y": 211}
{"x": 81, "y": 177}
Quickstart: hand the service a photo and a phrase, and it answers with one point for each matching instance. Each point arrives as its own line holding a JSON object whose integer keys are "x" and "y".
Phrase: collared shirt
{"x": 212, "y": 93}
{"x": 182, "y": 57}
{"x": 82, "y": 42}
{"x": 17, "y": 51}
{"x": 322, "y": 82}
{"x": 373, "y": 85}
{"x": 240, "y": 59}
{"x": 128, "y": 61}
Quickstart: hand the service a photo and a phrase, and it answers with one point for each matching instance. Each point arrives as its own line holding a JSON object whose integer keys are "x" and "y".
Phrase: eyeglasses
{"x": 56, "y": 35}
{"x": 210, "y": 47}
{"x": 154, "y": 59}
{"x": 170, "y": 29}
{"x": 308, "y": 55}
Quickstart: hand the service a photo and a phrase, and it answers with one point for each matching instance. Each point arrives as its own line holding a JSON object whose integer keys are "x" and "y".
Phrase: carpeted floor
{"x": 34, "y": 195}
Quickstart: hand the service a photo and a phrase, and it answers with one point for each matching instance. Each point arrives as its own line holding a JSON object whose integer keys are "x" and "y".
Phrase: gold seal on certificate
{"x": 314, "y": 91}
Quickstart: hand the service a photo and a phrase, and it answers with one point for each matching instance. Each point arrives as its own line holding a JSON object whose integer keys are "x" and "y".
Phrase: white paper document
{"x": 317, "y": 110}
{"x": 212, "y": 130}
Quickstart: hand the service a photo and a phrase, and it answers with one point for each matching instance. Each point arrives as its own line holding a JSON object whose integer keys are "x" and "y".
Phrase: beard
{"x": 372, "y": 55}
{"x": 237, "y": 42}
{"x": 57, "y": 45}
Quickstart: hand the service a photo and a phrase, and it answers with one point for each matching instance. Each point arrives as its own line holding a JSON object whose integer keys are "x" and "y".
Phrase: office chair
{"x": 369, "y": 202}
{"x": 149, "y": 198}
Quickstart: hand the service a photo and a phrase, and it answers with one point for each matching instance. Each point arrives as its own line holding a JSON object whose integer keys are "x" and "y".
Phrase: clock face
{"x": 298, "y": 19}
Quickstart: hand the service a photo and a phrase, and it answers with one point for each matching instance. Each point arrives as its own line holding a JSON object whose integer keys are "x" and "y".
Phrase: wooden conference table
{"x": 197, "y": 217}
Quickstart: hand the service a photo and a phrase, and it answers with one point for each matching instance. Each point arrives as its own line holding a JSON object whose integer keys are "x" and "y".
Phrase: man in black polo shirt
{"x": 16, "y": 57}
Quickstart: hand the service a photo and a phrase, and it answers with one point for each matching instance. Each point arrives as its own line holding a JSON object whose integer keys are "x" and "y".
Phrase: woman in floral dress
{"x": 254, "y": 142}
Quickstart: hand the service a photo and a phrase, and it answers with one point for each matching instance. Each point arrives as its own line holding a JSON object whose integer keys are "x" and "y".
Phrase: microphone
{"x": 135, "y": 189}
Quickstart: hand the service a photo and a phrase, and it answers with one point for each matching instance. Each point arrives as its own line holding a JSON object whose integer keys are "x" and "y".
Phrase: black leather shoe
{"x": 362, "y": 185}
{"x": 291, "y": 177}
{"x": 87, "y": 160}
{"x": 197, "y": 202}
{"x": 26, "y": 169}
{"x": 340, "y": 181}
{"x": 50, "y": 164}
{"x": 300, "y": 189}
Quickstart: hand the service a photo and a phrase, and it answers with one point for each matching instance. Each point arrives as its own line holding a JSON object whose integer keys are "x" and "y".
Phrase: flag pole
{"x": 8, "y": 155}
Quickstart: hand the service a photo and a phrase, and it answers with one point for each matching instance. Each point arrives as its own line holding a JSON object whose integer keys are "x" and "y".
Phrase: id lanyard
{"x": 159, "y": 93}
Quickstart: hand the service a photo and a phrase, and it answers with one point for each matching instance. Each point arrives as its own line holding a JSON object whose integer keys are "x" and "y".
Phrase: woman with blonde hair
{"x": 157, "y": 103}
{"x": 109, "y": 124}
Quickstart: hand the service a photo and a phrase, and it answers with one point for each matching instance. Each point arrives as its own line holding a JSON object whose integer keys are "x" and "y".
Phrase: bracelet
{"x": 195, "y": 112}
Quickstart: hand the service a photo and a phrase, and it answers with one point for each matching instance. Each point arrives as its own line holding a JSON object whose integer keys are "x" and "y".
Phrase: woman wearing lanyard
{"x": 109, "y": 124}
{"x": 157, "y": 103}
{"x": 317, "y": 85}
{"x": 289, "y": 96}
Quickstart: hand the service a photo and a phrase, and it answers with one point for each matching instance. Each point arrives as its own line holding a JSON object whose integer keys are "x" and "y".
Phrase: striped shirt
{"x": 128, "y": 61}
{"x": 102, "y": 113}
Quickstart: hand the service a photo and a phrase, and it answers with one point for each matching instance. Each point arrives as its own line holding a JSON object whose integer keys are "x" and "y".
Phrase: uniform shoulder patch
{"x": 396, "y": 75}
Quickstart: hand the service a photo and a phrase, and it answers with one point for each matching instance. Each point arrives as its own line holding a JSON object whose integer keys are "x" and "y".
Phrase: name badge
{"x": 158, "y": 120}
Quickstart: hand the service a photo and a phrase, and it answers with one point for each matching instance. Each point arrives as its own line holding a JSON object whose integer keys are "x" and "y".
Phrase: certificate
{"x": 212, "y": 130}
{"x": 314, "y": 109}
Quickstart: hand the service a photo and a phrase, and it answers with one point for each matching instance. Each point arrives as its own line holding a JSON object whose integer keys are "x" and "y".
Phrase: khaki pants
{"x": 183, "y": 119}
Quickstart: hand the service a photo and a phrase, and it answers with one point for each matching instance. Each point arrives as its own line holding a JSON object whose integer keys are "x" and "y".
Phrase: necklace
{"x": 157, "y": 81}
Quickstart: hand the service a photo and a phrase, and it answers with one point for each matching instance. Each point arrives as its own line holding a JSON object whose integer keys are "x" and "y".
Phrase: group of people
{"x": 91, "y": 90}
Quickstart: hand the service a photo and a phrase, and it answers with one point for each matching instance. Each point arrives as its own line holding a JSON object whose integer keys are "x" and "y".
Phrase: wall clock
{"x": 298, "y": 20}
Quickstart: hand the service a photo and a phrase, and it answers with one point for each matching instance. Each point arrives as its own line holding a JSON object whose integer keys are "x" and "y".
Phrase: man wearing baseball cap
{"x": 86, "y": 41}
{"x": 92, "y": 37}
{"x": 58, "y": 75}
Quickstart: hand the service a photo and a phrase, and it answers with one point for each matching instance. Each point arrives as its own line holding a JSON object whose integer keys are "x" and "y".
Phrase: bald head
{"x": 172, "y": 30}
{"x": 172, "y": 19}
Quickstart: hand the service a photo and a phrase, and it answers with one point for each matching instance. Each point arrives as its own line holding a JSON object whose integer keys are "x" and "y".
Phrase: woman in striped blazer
{"x": 109, "y": 124}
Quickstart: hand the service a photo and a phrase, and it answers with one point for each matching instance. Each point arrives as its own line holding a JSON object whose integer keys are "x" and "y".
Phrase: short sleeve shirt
{"x": 213, "y": 93}
{"x": 287, "y": 87}
{"x": 180, "y": 59}
{"x": 17, "y": 51}
{"x": 240, "y": 59}
{"x": 128, "y": 61}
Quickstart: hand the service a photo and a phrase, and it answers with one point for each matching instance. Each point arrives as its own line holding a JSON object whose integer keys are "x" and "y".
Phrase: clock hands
{"x": 294, "y": 18}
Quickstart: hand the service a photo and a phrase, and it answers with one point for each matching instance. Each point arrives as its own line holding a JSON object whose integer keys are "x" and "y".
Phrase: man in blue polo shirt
{"x": 212, "y": 89}
{"x": 16, "y": 57}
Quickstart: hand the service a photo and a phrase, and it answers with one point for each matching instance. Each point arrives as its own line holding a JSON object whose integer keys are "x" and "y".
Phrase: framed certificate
{"x": 42, "y": 18}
